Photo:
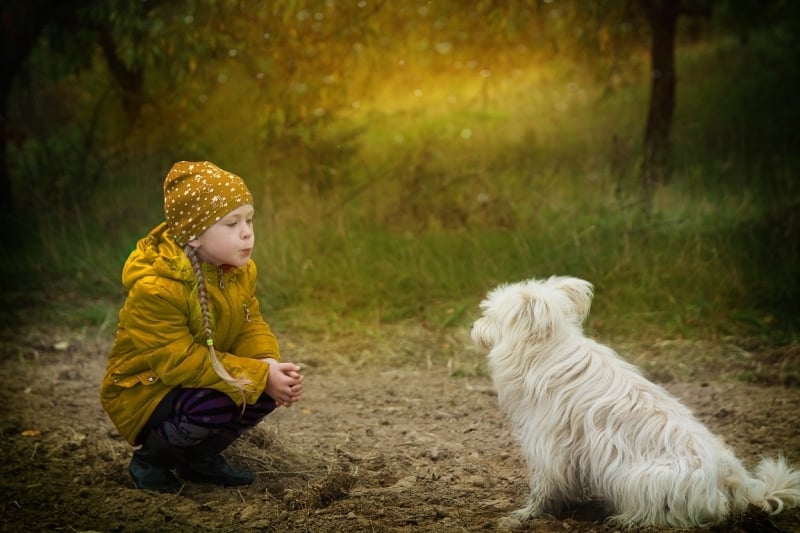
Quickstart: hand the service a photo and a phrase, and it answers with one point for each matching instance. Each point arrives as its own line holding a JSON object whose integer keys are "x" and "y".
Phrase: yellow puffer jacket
{"x": 159, "y": 342}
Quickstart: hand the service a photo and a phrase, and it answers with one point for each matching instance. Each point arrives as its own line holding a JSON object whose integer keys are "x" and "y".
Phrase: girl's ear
{"x": 194, "y": 243}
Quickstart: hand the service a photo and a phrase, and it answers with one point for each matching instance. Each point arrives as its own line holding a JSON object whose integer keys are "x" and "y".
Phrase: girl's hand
{"x": 285, "y": 382}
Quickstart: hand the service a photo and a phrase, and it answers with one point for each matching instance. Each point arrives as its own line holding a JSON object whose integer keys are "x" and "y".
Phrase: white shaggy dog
{"x": 591, "y": 426}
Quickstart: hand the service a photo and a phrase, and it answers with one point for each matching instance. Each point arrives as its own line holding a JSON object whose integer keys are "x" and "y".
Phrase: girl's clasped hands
{"x": 285, "y": 383}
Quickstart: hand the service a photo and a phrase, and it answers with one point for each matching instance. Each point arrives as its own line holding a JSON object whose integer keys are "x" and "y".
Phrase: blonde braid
{"x": 202, "y": 292}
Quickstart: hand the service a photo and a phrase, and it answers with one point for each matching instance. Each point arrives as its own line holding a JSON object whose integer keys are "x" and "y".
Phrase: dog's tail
{"x": 776, "y": 487}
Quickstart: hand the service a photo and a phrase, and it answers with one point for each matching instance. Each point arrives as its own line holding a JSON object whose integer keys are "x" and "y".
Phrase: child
{"x": 194, "y": 364}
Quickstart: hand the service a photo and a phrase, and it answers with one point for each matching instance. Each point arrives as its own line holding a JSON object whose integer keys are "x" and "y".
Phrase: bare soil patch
{"x": 417, "y": 445}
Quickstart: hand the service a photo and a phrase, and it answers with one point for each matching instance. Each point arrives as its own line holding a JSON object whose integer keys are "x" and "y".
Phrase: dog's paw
{"x": 509, "y": 523}
{"x": 521, "y": 515}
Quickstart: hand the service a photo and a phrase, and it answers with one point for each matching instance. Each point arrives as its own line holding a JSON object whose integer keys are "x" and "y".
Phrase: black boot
{"x": 205, "y": 464}
{"x": 151, "y": 466}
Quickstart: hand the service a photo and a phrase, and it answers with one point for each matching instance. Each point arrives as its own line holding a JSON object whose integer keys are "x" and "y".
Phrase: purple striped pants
{"x": 187, "y": 417}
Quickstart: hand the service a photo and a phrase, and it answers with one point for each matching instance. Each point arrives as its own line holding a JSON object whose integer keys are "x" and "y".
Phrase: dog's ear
{"x": 580, "y": 293}
{"x": 519, "y": 312}
{"x": 535, "y": 317}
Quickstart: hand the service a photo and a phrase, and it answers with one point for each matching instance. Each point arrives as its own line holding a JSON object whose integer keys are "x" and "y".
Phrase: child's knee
{"x": 183, "y": 434}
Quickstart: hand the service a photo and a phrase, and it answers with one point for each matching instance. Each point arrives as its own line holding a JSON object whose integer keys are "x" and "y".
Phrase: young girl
{"x": 194, "y": 364}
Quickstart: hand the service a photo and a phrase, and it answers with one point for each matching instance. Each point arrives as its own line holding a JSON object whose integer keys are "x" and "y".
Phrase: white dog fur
{"x": 592, "y": 427}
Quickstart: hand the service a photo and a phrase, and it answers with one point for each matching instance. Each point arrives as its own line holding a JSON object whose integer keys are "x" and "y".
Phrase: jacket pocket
{"x": 144, "y": 378}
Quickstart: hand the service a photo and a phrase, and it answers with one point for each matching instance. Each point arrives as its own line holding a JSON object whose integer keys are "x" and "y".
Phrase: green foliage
{"x": 680, "y": 274}
{"x": 398, "y": 182}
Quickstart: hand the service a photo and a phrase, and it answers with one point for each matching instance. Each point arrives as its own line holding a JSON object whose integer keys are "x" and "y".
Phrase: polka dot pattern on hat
{"x": 197, "y": 195}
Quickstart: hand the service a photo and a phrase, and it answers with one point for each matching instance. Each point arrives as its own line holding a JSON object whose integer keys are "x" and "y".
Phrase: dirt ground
{"x": 415, "y": 444}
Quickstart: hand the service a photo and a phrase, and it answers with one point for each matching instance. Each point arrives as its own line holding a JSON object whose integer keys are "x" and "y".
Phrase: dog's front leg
{"x": 542, "y": 498}
{"x": 535, "y": 506}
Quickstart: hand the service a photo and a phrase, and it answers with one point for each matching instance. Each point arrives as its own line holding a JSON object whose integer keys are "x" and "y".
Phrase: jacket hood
{"x": 157, "y": 254}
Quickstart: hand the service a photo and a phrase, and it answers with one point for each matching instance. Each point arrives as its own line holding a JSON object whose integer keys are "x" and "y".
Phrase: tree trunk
{"x": 662, "y": 16}
{"x": 129, "y": 79}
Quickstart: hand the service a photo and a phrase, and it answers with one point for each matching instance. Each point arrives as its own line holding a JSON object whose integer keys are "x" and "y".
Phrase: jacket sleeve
{"x": 158, "y": 327}
{"x": 255, "y": 338}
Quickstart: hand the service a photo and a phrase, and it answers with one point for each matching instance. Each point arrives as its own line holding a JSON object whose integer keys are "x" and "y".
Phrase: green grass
{"x": 679, "y": 274}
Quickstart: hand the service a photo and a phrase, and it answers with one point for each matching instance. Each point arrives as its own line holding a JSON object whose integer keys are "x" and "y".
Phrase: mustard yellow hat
{"x": 199, "y": 193}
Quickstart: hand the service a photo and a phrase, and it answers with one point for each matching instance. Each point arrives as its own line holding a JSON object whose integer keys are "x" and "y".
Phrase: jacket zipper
{"x": 223, "y": 292}
{"x": 246, "y": 309}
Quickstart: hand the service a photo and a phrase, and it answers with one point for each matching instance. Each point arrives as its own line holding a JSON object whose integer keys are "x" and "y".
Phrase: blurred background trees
{"x": 302, "y": 61}
{"x": 404, "y": 117}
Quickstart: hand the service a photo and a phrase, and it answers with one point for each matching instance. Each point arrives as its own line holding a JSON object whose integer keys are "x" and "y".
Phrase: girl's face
{"x": 230, "y": 240}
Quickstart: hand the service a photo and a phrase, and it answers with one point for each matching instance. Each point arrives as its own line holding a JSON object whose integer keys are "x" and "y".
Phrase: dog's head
{"x": 532, "y": 311}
